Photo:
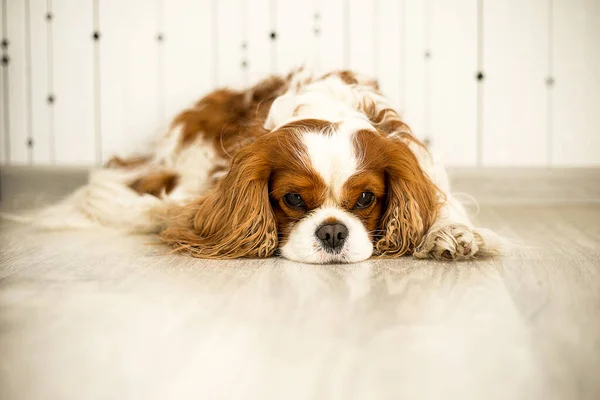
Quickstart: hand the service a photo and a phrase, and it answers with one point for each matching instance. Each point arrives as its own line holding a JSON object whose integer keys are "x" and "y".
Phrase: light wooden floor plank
{"x": 86, "y": 315}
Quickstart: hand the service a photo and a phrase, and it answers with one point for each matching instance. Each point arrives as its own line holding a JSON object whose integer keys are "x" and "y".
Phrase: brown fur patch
{"x": 330, "y": 220}
{"x": 156, "y": 183}
{"x": 411, "y": 202}
{"x": 351, "y": 78}
{"x": 230, "y": 119}
{"x": 126, "y": 163}
{"x": 368, "y": 180}
{"x": 348, "y": 77}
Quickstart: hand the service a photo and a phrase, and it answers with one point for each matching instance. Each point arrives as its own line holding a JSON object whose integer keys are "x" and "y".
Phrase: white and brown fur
{"x": 213, "y": 185}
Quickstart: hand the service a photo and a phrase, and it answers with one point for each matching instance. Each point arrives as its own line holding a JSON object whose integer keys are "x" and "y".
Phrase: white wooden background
{"x": 68, "y": 98}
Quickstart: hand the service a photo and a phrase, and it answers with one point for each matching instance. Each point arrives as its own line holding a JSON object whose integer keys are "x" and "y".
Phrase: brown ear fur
{"x": 411, "y": 204}
{"x": 235, "y": 220}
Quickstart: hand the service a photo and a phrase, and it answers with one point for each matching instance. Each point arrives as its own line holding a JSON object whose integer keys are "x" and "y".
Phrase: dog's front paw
{"x": 452, "y": 242}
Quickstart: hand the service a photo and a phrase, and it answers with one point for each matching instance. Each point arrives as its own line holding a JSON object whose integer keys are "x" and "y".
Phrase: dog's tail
{"x": 106, "y": 201}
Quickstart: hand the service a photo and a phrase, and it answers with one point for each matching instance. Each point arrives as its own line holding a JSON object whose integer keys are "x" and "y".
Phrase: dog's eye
{"x": 293, "y": 200}
{"x": 365, "y": 200}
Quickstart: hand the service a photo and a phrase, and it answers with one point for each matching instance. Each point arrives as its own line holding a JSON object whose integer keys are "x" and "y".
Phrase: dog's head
{"x": 313, "y": 191}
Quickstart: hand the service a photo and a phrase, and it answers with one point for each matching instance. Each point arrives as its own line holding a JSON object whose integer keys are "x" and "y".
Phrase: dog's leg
{"x": 452, "y": 236}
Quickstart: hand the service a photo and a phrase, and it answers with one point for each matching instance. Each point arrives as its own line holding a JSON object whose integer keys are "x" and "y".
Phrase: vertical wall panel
{"x": 390, "y": 31}
{"x": 230, "y": 39}
{"x": 414, "y": 108}
{"x": 74, "y": 82}
{"x": 129, "y": 75}
{"x": 576, "y": 92}
{"x": 189, "y": 61}
{"x": 362, "y": 44}
{"x": 515, "y": 66}
{"x": 17, "y": 84}
{"x": 40, "y": 110}
{"x": 452, "y": 84}
{"x": 3, "y": 97}
{"x": 258, "y": 41}
{"x": 330, "y": 39}
{"x": 295, "y": 37}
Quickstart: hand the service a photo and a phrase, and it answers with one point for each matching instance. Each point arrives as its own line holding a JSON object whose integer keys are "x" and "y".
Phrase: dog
{"x": 314, "y": 168}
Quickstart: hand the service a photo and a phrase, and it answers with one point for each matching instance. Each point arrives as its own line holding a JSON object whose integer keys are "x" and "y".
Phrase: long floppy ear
{"x": 411, "y": 202}
{"x": 234, "y": 220}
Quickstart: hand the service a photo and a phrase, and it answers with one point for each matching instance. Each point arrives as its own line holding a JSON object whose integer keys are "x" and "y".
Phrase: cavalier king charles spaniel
{"x": 317, "y": 169}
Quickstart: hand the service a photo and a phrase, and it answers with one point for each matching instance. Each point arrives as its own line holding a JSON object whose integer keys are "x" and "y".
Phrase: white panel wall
{"x": 259, "y": 49}
{"x": 75, "y": 130}
{"x": 516, "y": 64}
{"x": 452, "y": 87}
{"x": 390, "y": 57}
{"x": 231, "y": 15}
{"x": 575, "y": 104}
{"x": 4, "y": 151}
{"x": 41, "y": 118}
{"x": 414, "y": 51}
{"x": 155, "y": 57}
{"x": 129, "y": 75}
{"x": 294, "y": 27}
{"x": 18, "y": 89}
{"x": 362, "y": 46}
{"x": 330, "y": 31}
{"x": 188, "y": 52}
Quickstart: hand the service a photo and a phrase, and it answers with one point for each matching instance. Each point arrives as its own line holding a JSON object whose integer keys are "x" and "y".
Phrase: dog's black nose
{"x": 332, "y": 236}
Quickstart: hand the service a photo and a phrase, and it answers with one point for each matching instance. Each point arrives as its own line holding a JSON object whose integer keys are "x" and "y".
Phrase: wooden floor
{"x": 88, "y": 315}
